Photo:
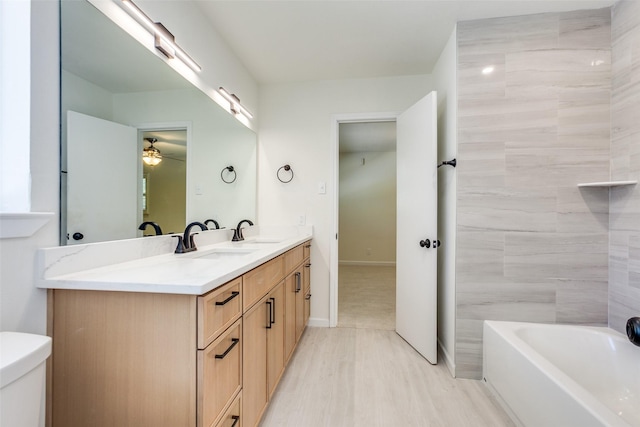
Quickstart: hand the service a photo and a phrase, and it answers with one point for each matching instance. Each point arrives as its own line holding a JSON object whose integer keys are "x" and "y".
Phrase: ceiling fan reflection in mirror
{"x": 151, "y": 155}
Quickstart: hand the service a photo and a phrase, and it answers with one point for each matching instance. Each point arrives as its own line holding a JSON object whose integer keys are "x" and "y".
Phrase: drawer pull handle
{"x": 307, "y": 265}
{"x": 272, "y": 318}
{"x": 298, "y": 282}
{"x": 234, "y": 342}
{"x": 235, "y": 419}
{"x": 307, "y": 297}
{"x": 269, "y": 314}
{"x": 233, "y": 295}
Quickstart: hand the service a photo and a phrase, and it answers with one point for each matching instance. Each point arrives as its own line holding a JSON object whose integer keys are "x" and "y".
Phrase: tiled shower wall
{"x": 531, "y": 245}
{"x": 624, "y": 221}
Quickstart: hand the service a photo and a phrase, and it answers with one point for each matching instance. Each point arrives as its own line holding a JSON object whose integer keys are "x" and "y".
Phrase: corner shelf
{"x": 607, "y": 184}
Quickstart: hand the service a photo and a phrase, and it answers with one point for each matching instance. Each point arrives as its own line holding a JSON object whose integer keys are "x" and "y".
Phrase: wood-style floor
{"x": 362, "y": 374}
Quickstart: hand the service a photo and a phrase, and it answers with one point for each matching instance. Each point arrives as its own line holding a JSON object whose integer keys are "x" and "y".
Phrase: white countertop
{"x": 193, "y": 273}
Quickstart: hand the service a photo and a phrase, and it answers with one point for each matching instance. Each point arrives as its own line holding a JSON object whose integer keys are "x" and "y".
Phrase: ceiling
{"x": 303, "y": 40}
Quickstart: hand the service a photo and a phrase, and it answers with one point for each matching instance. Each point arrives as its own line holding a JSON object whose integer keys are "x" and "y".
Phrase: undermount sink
{"x": 264, "y": 240}
{"x": 224, "y": 253}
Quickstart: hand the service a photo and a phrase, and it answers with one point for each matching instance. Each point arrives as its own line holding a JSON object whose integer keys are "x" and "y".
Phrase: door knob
{"x": 78, "y": 236}
{"x": 425, "y": 243}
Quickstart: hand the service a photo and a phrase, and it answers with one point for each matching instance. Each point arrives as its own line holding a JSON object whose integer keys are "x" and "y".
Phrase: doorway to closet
{"x": 367, "y": 224}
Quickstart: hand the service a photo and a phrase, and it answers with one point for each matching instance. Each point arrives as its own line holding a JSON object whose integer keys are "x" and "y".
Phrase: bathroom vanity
{"x": 197, "y": 339}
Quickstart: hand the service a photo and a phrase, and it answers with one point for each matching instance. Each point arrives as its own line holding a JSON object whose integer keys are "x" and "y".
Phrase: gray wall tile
{"x": 532, "y": 246}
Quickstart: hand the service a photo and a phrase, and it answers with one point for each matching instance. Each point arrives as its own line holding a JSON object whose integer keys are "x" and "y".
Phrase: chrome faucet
{"x": 186, "y": 242}
{"x": 215, "y": 223}
{"x": 155, "y": 226}
{"x": 237, "y": 233}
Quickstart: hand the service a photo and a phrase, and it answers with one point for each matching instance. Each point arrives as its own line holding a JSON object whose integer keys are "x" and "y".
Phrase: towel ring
{"x": 230, "y": 169}
{"x": 287, "y": 168}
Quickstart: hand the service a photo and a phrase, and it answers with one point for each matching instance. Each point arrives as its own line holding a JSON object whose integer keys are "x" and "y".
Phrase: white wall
{"x": 444, "y": 78}
{"x": 367, "y": 219}
{"x": 296, "y": 122}
{"x": 22, "y": 305}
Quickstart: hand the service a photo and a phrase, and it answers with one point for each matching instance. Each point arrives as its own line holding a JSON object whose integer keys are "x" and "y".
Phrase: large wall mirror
{"x": 117, "y": 98}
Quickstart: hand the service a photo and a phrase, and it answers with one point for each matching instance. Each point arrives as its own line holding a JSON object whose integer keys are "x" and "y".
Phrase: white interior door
{"x": 102, "y": 179}
{"x": 417, "y": 210}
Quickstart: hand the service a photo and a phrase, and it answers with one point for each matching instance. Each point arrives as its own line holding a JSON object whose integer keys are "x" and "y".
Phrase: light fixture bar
{"x": 164, "y": 40}
{"x": 236, "y": 107}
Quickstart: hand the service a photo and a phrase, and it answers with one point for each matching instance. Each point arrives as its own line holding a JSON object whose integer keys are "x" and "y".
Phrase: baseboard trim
{"x": 447, "y": 359}
{"x": 321, "y": 323}
{"x": 369, "y": 263}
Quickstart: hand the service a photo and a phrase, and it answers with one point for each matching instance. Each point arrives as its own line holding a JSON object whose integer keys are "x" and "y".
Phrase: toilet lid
{"x": 20, "y": 353}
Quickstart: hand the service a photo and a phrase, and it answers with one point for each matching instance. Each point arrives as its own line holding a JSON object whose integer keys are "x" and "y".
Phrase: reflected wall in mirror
{"x": 111, "y": 83}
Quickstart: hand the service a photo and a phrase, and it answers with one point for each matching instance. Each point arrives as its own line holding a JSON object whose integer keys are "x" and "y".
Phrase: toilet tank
{"x": 22, "y": 378}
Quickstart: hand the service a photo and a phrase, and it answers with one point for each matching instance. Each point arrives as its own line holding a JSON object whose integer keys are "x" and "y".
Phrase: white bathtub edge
{"x": 593, "y": 412}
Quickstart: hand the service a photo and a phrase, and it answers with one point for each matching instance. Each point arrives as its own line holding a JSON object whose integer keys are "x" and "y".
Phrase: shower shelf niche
{"x": 607, "y": 184}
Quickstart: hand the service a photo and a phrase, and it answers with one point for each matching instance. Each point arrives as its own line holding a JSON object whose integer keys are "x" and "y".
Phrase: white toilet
{"x": 22, "y": 379}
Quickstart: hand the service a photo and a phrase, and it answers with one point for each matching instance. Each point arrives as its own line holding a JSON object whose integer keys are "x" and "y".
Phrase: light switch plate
{"x": 322, "y": 187}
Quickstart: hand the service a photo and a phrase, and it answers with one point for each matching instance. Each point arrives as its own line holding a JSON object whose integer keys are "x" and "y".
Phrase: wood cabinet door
{"x": 219, "y": 375}
{"x": 275, "y": 338}
{"x": 289, "y": 315}
{"x": 306, "y": 281}
{"x": 299, "y": 286}
{"x": 254, "y": 362}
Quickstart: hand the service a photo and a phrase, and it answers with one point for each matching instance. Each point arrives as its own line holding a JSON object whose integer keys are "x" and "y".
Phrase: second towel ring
{"x": 287, "y": 168}
{"x": 230, "y": 169}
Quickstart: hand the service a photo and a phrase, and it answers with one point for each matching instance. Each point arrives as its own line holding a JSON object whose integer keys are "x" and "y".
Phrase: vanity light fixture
{"x": 163, "y": 39}
{"x": 151, "y": 155}
{"x": 234, "y": 103}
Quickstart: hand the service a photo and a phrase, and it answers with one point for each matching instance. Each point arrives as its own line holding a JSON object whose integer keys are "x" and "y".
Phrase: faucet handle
{"x": 192, "y": 243}
{"x": 180, "y": 246}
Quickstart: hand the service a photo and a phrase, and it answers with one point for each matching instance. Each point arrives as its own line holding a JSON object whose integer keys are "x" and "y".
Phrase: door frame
{"x": 336, "y": 120}
{"x": 161, "y": 126}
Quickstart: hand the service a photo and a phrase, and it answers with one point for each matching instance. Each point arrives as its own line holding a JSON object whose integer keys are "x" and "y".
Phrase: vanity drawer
{"x": 231, "y": 417}
{"x": 217, "y": 310}
{"x": 220, "y": 375}
{"x": 307, "y": 249}
{"x": 293, "y": 258}
{"x": 259, "y": 281}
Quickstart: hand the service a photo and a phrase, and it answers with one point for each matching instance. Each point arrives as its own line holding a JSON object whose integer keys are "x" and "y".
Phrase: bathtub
{"x": 562, "y": 375}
